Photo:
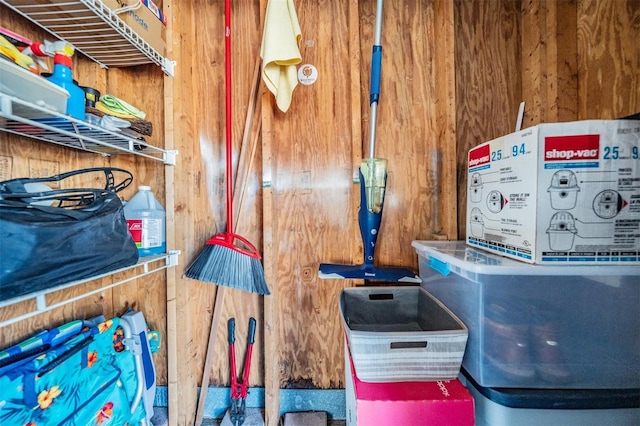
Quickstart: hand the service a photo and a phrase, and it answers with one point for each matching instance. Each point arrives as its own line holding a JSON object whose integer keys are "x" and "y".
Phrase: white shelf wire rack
{"x": 145, "y": 266}
{"x": 93, "y": 29}
{"x": 26, "y": 119}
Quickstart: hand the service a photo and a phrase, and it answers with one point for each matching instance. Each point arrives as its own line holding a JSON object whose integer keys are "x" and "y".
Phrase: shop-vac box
{"x": 558, "y": 193}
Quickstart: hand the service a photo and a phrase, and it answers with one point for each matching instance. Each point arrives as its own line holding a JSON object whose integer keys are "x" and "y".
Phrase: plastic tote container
{"x": 23, "y": 84}
{"x": 539, "y": 326}
{"x": 146, "y": 221}
{"x": 592, "y": 407}
{"x": 400, "y": 334}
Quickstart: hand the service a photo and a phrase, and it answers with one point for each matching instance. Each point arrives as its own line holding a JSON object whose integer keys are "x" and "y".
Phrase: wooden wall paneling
{"x": 190, "y": 227}
{"x": 357, "y": 97}
{"x": 549, "y": 61}
{"x": 308, "y": 173}
{"x": 172, "y": 232}
{"x": 271, "y": 316}
{"x": 407, "y": 134}
{"x": 488, "y": 79}
{"x": 443, "y": 150}
{"x": 609, "y": 58}
{"x": 269, "y": 258}
{"x": 312, "y": 184}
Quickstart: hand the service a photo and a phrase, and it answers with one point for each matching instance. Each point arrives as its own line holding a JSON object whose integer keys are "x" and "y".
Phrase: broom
{"x": 245, "y": 164}
{"x": 228, "y": 259}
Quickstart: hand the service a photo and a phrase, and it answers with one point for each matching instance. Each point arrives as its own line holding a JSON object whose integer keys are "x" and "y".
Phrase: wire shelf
{"x": 93, "y": 29}
{"x": 26, "y": 119}
{"x": 145, "y": 266}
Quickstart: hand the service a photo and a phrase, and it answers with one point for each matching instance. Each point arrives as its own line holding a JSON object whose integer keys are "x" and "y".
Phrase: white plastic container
{"x": 146, "y": 220}
{"x": 23, "y": 84}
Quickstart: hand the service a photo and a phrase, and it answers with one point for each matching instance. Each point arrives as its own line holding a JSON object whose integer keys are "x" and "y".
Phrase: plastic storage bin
{"x": 539, "y": 326}
{"x": 23, "y": 84}
{"x": 508, "y": 407}
{"x": 401, "y": 334}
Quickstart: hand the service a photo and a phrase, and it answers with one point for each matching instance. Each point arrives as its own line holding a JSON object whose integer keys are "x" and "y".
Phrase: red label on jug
{"x": 135, "y": 229}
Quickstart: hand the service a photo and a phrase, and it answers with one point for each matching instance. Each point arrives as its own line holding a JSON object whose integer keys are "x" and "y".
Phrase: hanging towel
{"x": 280, "y": 50}
{"x": 121, "y": 107}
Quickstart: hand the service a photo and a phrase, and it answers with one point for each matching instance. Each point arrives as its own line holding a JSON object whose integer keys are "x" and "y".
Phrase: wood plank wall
{"x": 454, "y": 73}
{"x": 488, "y": 79}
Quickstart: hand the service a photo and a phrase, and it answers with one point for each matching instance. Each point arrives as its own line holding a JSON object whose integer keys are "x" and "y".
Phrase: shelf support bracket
{"x": 170, "y": 157}
{"x": 168, "y": 66}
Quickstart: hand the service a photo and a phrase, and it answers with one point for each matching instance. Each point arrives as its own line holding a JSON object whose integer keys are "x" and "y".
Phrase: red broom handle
{"x": 229, "y": 146}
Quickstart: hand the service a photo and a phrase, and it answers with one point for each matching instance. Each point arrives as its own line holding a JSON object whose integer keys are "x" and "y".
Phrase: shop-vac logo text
{"x": 480, "y": 156}
{"x": 578, "y": 147}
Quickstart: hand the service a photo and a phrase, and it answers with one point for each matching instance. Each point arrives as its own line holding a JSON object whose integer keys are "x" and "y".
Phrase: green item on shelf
{"x": 120, "y": 106}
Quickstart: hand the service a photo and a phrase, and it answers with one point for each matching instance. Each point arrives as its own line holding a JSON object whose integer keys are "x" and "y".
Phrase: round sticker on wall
{"x": 307, "y": 74}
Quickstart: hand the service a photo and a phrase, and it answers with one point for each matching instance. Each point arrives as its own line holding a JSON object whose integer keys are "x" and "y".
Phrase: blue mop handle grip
{"x": 376, "y": 70}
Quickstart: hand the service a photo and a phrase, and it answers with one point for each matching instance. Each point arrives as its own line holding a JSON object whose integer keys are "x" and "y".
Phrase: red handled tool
{"x": 239, "y": 390}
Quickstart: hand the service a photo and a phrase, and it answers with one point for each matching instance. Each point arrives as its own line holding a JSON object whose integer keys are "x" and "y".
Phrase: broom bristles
{"x": 227, "y": 267}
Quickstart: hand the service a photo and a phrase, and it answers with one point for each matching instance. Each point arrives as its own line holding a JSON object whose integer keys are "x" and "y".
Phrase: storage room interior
{"x": 454, "y": 75}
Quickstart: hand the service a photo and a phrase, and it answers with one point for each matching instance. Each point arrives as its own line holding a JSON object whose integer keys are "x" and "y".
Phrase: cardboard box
{"x": 558, "y": 193}
{"x": 144, "y": 22}
{"x": 443, "y": 402}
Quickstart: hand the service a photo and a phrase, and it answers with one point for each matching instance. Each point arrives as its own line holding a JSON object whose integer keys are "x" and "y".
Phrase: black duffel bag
{"x": 53, "y": 237}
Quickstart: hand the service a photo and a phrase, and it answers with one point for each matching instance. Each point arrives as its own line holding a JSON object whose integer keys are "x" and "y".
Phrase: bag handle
{"x": 76, "y": 211}
{"x": 17, "y": 186}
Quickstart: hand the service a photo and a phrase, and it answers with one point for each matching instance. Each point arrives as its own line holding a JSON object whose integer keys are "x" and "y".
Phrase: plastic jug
{"x": 62, "y": 76}
{"x": 146, "y": 221}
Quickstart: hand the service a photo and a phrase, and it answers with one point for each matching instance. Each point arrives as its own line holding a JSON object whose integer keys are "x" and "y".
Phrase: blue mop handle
{"x": 376, "y": 68}
{"x": 374, "y": 85}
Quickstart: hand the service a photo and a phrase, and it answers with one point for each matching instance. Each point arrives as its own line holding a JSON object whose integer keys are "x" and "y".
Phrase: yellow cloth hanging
{"x": 280, "y": 50}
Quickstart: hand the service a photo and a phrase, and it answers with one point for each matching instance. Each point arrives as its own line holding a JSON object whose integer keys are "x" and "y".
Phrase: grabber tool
{"x": 239, "y": 389}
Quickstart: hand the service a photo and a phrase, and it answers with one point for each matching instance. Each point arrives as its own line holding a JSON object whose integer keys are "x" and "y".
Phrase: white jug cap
{"x": 144, "y": 188}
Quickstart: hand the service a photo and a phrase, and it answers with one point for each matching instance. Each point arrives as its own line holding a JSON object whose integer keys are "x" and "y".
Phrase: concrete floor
{"x": 160, "y": 419}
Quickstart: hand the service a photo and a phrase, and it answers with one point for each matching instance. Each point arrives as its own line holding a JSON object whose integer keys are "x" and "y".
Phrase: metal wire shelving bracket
{"x": 93, "y": 29}
{"x": 29, "y": 120}
{"x": 148, "y": 264}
